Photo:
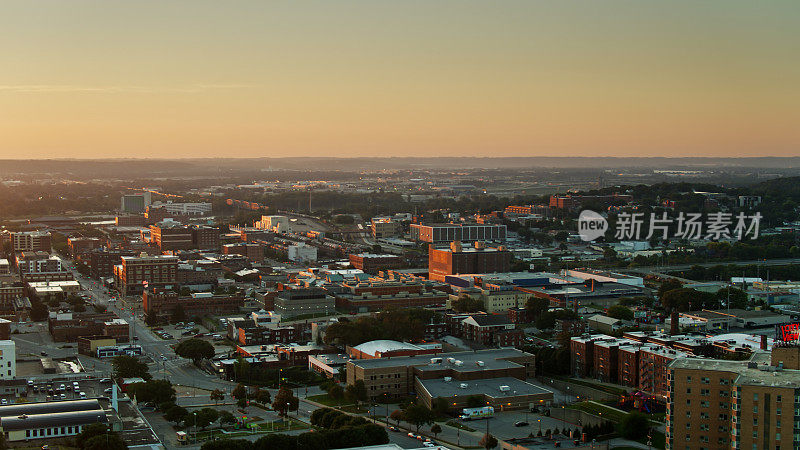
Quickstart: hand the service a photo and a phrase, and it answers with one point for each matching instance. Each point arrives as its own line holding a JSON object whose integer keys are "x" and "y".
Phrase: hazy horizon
{"x": 201, "y": 79}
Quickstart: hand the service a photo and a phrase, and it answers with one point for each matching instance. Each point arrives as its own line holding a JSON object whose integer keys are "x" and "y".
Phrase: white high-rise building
{"x": 8, "y": 360}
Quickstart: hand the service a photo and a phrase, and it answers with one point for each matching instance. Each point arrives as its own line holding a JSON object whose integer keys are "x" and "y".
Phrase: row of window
{"x": 57, "y": 431}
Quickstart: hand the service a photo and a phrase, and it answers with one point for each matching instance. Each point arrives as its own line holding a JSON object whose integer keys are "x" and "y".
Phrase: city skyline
{"x": 87, "y": 79}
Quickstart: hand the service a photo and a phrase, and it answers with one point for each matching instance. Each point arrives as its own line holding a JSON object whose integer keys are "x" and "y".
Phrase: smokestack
{"x": 673, "y": 325}
{"x": 763, "y": 342}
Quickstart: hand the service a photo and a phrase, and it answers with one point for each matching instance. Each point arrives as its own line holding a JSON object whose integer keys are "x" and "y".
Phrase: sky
{"x": 263, "y": 78}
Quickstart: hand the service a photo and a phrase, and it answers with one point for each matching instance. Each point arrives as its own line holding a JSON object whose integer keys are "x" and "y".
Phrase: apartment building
{"x": 449, "y": 232}
{"x": 464, "y": 260}
{"x": 160, "y": 304}
{"x": 735, "y": 404}
{"x": 136, "y": 271}
{"x": 31, "y": 241}
{"x": 399, "y": 377}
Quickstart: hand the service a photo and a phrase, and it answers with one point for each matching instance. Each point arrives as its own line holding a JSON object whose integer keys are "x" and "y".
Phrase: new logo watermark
{"x": 591, "y": 225}
{"x": 630, "y": 226}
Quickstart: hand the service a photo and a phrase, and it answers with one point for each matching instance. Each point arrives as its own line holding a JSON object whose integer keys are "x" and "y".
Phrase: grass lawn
{"x": 326, "y": 400}
{"x": 455, "y": 424}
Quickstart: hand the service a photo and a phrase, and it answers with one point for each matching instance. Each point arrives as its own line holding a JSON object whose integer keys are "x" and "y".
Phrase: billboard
{"x": 788, "y": 332}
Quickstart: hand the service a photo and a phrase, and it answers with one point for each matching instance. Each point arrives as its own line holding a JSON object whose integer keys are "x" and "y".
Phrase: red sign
{"x": 789, "y": 332}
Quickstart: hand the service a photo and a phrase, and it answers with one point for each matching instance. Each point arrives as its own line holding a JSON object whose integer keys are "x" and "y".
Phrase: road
{"x": 677, "y": 267}
{"x": 164, "y": 363}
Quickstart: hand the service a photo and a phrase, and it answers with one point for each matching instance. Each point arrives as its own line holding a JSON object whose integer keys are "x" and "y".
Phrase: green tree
{"x": 152, "y": 391}
{"x": 129, "y": 367}
{"x": 418, "y": 415}
{"x": 240, "y": 391}
{"x": 436, "y": 429}
{"x": 738, "y": 297}
{"x": 262, "y": 396}
{"x": 634, "y": 426}
{"x": 335, "y": 391}
{"x": 488, "y": 441}
{"x": 195, "y": 349}
{"x": 356, "y": 392}
{"x": 474, "y": 401}
{"x": 227, "y": 444}
{"x": 178, "y": 314}
{"x": 39, "y": 311}
{"x": 226, "y": 418}
{"x": 466, "y": 304}
{"x": 176, "y": 414}
{"x": 202, "y": 418}
{"x": 620, "y": 312}
{"x": 90, "y": 431}
{"x": 217, "y": 395}
{"x": 285, "y": 401}
{"x": 397, "y": 415}
{"x": 111, "y": 441}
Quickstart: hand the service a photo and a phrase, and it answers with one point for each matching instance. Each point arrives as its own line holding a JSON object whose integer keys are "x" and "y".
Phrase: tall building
{"x": 31, "y": 241}
{"x": 735, "y": 404}
{"x": 170, "y": 236}
{"x": 136, "y": 271}
{"x": 8, "y": 360}
{"x": 458, "y": 259}
{"x": 278, "y": 224}
{"x": 383, "y": 227}
{"x": 449, "y": 232}
{"x": 135, "y": 203}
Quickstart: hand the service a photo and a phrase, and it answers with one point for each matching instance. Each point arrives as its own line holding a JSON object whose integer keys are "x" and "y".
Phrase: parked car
{"x": 106, "y": 380}
{"x": 521, "y": 423}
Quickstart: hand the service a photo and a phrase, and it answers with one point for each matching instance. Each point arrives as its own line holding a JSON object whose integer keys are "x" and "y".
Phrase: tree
{"x": 130, "y": 367}
{"x": 536, "y": 305}
{"x": 335, "y": 391}
{"x": 227, "y": 444}
{"x": 634, "y": 426}
{"x": 356, "y": 392}
{"x": 466, "y": 304}
{"x": 153, "y": 391}
{"x": 397, "y": 415}
{"x": 239, "y": 392}
{"x": 418, "y": 415}
{"x": 226, "y": 418}
{"x": 39, "y": 310}
{"x": 285, "y": 401}
{"x": 474, "y": 401}
{"x": 436, "y": 429}
{"x": 488, "y": 441}
{"x": 178, "y": 314}
{"x": 217, "y": 395}
{"x": 620, "y": 312}
{"x": 195, "y": 349}
{"x": 262, "y": 396}
{"x": 176, "y": 414}
{"x": 111, "y": 441}
{"x": 738, "y": 297}
{"x": 202, "y": 418}
{"x": 90, "y": 431}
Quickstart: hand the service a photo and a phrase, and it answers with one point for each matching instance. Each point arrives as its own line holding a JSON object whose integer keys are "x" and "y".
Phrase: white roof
{"x": 604, "y": 319}
{"x": 743, "y": 340}
{"x": 384, "y": 345}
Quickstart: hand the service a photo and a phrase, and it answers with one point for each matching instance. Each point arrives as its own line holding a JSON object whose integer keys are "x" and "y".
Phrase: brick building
{"x": 156, "y": 271}
{"x": 372, "y": 263}
{"x": 68, "y": 327}
{"x": 459, "y": 260}
{"x": 81, "y": 245}
{"x": 102, "y": 261}
{"x": 171, "y": 237}
{"x": 30, "y": 241}
{"x": 491, "y": 329}
{"x": 160, "y": 304}
{"x": 205, "y": 237}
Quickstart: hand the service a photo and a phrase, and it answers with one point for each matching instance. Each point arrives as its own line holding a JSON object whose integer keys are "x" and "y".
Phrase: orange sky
{"x": 399, "y": 78}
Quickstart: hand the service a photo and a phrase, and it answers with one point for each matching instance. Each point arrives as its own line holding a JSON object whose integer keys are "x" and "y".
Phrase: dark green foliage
{"x": 400, "y": 324}
{"x": 195, "y": 349}
{"x": 154, "y": 391}
{"x": 130, "y": 367}
{"x": 634, "y": 426}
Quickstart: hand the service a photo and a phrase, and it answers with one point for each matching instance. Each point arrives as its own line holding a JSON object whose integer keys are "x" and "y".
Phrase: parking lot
{"x": 517, "y": 424}
{"x": 66, "y": 389}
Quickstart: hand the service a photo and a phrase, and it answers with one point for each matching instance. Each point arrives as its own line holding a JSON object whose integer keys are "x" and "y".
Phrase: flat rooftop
{"x": 489, "y": 387}
{"x": 469, "y": 359}
{"x": 761, "y": 375}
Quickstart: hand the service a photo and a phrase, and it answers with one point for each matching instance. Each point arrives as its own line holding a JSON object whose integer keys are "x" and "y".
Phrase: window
{"x": 755, "y": 421}
{"x": 688, "y": 402}
{"x": 777, "y": 411}
{"x": 755, "y": 409}
{"x": 704, "y": 404}
{"x": 755, "y": 397}
{"x": 704, "y": 392}
{"x": 778, "y": 398}
{"x": 688, "y": 390}
{"x": 689, "y": 379}
{"x": 703, "y": 415}
{"x": 705, "y": 380}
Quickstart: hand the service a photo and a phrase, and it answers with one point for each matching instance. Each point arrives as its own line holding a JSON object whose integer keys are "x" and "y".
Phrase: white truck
{"x": 476, "y": 413}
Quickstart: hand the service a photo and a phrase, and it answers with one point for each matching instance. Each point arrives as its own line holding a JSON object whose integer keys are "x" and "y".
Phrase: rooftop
{"x": 383, "y": 346}
{"x": 755, "y": 372}
{"x": 488, "y": 386}
{"x": 469, "y": 359}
